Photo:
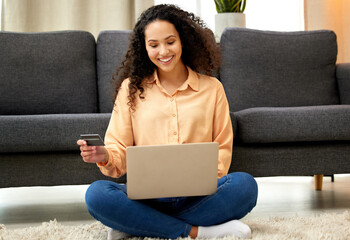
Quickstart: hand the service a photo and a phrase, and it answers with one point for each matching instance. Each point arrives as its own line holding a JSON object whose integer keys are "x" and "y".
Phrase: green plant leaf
{"x": 244, "y": 4}
{"x": 226, "y": 5}
{"x": 235, "y": 7}
{"x": 219, "y": 6}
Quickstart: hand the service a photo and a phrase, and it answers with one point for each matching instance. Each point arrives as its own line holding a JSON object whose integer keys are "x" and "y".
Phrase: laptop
{"x": 174, "y": 170}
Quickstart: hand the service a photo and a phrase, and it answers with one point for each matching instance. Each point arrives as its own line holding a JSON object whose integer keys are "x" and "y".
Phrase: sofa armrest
{"x": 343, "y": 78}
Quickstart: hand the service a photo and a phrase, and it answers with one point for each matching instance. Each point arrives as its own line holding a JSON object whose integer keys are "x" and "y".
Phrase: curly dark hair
{"x": 200, "y": 51}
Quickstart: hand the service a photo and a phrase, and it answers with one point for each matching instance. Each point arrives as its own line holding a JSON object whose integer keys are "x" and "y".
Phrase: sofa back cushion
{"x": 278, "y": 69}
{"x": 47, "y": 73}
{"x": 111, "y": 50}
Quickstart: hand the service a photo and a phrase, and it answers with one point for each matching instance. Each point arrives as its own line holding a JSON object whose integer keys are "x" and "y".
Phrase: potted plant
{"x": 229, "y": 14}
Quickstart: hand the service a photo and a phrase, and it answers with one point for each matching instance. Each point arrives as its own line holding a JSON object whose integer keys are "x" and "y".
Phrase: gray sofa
{"x": 289, "y": 101}
{"x": 287, "y": 97}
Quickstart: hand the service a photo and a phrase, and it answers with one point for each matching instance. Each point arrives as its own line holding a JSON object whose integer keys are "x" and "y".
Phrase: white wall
{"x": 0, "y": 14}
{"x": 279, "y": 15}
{"x": 276, "y": 15}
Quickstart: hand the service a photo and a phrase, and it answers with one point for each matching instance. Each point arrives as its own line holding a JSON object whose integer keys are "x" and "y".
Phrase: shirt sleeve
{"x": 222, "y": 131}
{"x": 118, "y": 136}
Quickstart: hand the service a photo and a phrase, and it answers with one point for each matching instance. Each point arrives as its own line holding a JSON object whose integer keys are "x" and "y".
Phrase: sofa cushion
{"x": 294, "y": 124}
{"x": 52, "y": 132}
{"x": 111, "y": 50}
{"x": 47, "y": 73}
{"x": 278, "y": 69}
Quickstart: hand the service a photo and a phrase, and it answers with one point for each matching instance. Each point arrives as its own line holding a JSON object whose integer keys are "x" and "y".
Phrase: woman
{"x": 162, "y": 99}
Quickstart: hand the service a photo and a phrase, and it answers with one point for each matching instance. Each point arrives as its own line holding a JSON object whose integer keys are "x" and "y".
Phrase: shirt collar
{"x": 192, "y": 80}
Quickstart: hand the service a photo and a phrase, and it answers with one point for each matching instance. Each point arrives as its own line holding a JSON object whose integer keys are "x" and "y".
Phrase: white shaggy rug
{"x": 322, "y": 227}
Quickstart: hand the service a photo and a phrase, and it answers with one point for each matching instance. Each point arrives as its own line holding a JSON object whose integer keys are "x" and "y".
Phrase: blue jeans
{"x": 171, "y": 217}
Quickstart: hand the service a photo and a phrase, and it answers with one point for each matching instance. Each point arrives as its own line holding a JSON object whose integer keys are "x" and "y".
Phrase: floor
{"x": 278, "y": 196}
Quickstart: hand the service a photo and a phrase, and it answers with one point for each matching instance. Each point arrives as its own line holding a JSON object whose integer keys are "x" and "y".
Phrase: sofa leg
{"x": 318, "y": 182}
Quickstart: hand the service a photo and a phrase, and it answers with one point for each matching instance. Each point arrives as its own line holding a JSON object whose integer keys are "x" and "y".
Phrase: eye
{"x": 170, "y": 43}
{"x": 153, "y": 46}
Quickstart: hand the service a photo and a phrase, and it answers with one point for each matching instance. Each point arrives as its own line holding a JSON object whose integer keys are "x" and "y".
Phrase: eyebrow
{"x": 152, "y": 40}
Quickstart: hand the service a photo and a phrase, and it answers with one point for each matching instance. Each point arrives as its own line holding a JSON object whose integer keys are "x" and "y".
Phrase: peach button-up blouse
{"x": 197, "y": 111}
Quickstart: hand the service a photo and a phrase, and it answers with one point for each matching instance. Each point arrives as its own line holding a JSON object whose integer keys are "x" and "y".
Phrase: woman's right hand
{"x": 92, "y": 154}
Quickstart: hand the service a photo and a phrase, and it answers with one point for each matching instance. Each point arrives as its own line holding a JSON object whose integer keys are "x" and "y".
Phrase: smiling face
{"x": 164, "y": 46}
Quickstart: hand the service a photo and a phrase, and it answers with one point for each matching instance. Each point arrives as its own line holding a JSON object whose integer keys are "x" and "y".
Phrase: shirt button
{"x": 174, "y": 133}
{"x": 171, "y": 99}
{"x": 174, "y": 115}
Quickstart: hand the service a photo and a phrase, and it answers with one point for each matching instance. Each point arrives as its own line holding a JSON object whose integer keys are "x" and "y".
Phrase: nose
{"x": 163, "y": 50}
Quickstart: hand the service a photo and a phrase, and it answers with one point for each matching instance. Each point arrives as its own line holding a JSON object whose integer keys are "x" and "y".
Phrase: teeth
{"x": 165, "y": 60}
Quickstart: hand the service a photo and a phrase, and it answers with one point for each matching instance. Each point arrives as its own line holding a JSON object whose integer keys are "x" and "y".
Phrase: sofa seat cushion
{"x": 294, "y": 124}
{"x": 52, "y": 132}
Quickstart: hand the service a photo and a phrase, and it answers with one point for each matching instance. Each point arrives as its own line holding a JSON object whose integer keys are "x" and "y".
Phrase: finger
{"x": 87, "y": 157}
{"x": 93, "y": 158}
{"x": 87, "y": 154}
{"x": 87, "y": 148}
{"x": 81, "y": 142}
